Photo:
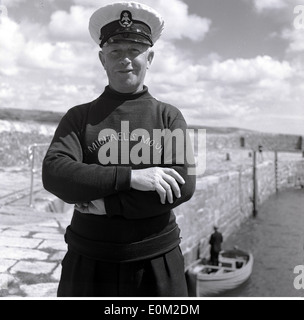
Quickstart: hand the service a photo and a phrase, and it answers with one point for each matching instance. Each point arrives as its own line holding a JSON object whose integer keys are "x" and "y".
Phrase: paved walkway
{"x": 31, "y": 249}
{"x": 31, "y": 239}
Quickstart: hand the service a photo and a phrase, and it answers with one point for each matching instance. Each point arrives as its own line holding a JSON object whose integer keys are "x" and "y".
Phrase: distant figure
{"x": 215, "y": 242}
{"x": 261, "y": 158}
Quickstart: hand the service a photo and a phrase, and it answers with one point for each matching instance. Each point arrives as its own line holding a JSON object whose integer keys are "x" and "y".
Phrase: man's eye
{"x": 136, "y": 51}
{"x": 115, "y": 53}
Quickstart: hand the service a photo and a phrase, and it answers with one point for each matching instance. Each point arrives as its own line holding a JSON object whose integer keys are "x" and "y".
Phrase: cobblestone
{"x": 14, "y": 233}
{"x": 57, "y": 273}
{"x": 21, "y": 253}
{"x": 49, "y": 236}
{"x": 32, "y": 247}
{"x": 5, "y": 264}
{"x": 36, "y": 267}
{"x": 53, "y": 244}
{"x": 5, "y": 281}
{"x": 40, "y": 290}
{"x": 19, "y": 242}
{"x": 57, "y": 256}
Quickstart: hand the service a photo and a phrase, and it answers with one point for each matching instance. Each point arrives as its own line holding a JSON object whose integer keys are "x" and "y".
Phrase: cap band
{"x": 135, "y": 27}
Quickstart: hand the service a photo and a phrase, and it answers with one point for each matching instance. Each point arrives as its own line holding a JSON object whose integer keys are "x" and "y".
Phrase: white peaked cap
{"x": 123, "y": 18}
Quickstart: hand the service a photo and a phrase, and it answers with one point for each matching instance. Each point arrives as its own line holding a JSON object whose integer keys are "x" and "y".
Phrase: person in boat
{"x": 215, "y": 242}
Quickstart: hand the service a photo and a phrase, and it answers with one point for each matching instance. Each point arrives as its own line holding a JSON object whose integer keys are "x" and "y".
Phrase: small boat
{"x": 205, "y": 280}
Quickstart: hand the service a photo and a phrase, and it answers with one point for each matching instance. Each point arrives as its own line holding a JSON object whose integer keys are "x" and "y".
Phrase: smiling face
{"x": 126, "y": 63}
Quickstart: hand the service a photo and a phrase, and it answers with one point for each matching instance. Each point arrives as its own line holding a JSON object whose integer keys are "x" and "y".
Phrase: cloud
{"x": 36, "y": 73}
{"x": 179, "y": 23}
{"x": 71, "y": 25}
{"x": 249, "y": 70}
{"x": 12, "y": 3}
{"x": 227, "y": 91}
{"x": 262, "y": 5}
{"x": 270, "y": 5}
{"x": 12, "y": 44}
{"x": 295, "y": 38}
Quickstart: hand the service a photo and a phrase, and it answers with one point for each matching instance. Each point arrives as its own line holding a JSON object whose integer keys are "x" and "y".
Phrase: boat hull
{"x": 204, "y": 284}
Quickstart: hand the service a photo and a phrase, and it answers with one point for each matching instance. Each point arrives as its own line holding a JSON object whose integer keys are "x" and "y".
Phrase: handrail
{"x": 31, "y": 154}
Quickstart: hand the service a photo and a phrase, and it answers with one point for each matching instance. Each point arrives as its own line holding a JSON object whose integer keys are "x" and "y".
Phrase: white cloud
{"x": 12, "y": 3}
{"x": 270, "y": 5}
{"x": 71, "y": 25}
{"x": 249, "y": 70}
{"x": 262, "y": 5}
{"x": 226, "y": 91}
{"x": 12, "y": 44}
{"x": 295, "y": 38}
{"x": 178, "y": 22}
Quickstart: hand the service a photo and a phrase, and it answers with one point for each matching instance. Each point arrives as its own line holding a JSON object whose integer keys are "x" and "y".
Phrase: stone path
{"x": 31, "y": 250}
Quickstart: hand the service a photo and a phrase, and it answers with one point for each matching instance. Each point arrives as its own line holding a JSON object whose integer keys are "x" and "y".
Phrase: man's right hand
{"x": 162, "y": 180}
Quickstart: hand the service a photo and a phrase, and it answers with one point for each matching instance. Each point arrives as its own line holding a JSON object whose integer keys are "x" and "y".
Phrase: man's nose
{"x": 125, "y": 60}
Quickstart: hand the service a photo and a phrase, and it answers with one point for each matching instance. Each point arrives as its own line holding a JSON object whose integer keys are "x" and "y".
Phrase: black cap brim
{"x": 137, "y": 32}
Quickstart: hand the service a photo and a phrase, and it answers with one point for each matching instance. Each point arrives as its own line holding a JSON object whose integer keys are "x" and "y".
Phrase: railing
{"x": 32, "y": 155}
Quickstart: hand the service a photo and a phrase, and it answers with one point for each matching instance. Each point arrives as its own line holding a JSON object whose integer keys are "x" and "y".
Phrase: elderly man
{"x": 115, "y": 160}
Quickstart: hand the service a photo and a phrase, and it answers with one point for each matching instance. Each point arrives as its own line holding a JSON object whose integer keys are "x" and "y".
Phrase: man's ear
{"x": 150, "y": 58}
{"x": 101, "y": 58}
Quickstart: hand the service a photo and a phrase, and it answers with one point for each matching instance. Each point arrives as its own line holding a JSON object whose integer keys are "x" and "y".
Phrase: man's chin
{"x": 129, "y": 87}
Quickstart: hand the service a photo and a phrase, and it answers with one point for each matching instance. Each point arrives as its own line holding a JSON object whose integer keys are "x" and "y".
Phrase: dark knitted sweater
{"x": 94, "y": 149}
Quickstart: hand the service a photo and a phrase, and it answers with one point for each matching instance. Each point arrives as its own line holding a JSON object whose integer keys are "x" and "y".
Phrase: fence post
{"x": 276, "y": 171}
{"x": 255, "y": 185}
{"x": 32, "y": 159}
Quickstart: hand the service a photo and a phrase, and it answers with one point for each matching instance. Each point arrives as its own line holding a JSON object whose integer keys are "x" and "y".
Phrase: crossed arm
{"x": 111, "y": 190}
{"x": 165, "y": 181}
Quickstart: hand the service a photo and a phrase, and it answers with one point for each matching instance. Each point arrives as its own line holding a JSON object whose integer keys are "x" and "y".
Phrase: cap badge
{"x": 126, "y": 19}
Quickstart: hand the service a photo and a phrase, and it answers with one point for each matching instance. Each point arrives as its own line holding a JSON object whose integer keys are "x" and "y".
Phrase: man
{"x": 114, "y": 159}
{"x": 215, "y": 242}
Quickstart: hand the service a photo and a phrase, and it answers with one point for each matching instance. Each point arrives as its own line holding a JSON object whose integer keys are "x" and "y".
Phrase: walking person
{"x": 114, "y": 159}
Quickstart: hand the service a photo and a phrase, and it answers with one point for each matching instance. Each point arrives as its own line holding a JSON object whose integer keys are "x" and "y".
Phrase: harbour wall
{"x": 226, "y": 199}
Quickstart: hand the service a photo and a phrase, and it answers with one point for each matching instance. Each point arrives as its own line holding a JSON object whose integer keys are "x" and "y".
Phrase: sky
{"x": 226, "y": 63}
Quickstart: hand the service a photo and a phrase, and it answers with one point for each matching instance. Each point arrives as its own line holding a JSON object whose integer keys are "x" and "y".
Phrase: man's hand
{"x": 162, "y": 180}
{"x": 96, "y": 207}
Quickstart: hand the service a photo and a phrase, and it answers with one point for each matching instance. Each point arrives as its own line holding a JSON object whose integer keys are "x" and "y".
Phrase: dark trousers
{"x": 163, "y": 276}
{"x": 214, "y": 257}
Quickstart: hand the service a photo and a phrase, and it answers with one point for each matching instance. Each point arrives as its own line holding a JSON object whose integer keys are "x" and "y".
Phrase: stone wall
{"x": 227, "y": 200}
{"x": 252, "y": 140}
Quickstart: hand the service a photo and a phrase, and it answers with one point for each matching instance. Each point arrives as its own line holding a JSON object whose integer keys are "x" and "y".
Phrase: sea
{"x": 276, "y": 239}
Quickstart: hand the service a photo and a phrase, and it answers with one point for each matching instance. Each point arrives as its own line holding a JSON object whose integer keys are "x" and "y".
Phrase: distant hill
{"x": 30, "y": 115}
{"x": 218, "y": 137}
{"x": 55, "y": 117}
